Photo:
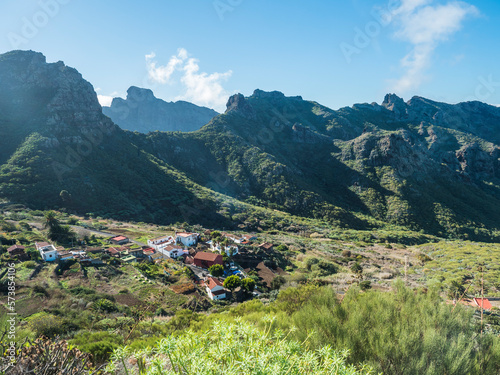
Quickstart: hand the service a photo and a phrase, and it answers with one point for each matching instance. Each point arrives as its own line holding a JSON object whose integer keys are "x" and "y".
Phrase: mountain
{"x": 420, "y": 165}
{"x": 143, "y": 112}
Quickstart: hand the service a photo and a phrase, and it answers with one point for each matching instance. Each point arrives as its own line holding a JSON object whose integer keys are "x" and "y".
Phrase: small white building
{"x": 187, "y": 239}
{"x": 215, "y": 289}
{"x": 160, "y": 242}
{"x": 230, "y": 250}
{"x": 47, "y": 251}
{"x": 173, "y": 251}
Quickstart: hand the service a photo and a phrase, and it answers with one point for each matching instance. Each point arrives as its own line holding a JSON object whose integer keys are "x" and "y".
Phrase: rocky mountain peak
{"x": 137, "y": 94}
{"x": 35, "y": 87}
{"x": 238, "y": 104}
{"x": 394, "y": 103}
{"x": 272, "y": 95}
{"x": 144, "y": 112}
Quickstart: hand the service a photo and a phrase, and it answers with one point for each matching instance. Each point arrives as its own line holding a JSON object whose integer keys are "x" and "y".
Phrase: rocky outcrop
{"x": 238, "y": 104}
{"x": 33, "y": 88}
{"x": 302, "y": 134}
{"x": 143, "y": 112}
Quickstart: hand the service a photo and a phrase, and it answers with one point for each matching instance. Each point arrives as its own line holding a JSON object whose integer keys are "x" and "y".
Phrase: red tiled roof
{"x": 15, "y": 247}
{"x": 266, "y": 245}
{"x": 207, "y": 256}
{"x": 212, "y": 282}
{"x": 113, "y": 250}
{"x": 184, "y": 234}
{"x": 42, "y": 244}
{"x": 119, "y": 238}
{"x": 483, "y": 302}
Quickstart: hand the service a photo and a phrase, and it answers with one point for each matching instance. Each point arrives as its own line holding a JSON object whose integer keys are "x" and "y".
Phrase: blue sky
{"x": 336, "y": 53}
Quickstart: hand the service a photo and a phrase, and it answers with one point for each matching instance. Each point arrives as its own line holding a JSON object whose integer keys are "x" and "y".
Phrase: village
{"x": 210, "y": 256}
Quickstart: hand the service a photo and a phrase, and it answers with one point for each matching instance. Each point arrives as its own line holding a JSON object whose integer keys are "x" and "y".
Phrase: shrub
{"x": 250, "y": 353}
{"x": 365, "y": 285}
{"x": 277, "y": 282}
{"x": 104, "y": 305}
{"x": 216, "y": 270}
{"x": 99, "y": 344}
{"x": 356, "y": 268}
{"x": 44, "y": 324}
{"x": 311, "y": 262}
{"x": 282, "y": 248}
{"x": 29, "y": 264}
{"x": 324, "y": 268}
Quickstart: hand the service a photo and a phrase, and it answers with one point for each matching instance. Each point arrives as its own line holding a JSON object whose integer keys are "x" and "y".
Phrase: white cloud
{"x": 424, "y": 26}
{"x": 105, "y": 101}
{"x": 199, "y": 87}
{"x": 162, "y": 74}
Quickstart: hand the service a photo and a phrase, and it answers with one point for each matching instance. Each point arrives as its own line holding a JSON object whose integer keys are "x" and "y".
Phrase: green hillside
{"x": 410, "y": 165}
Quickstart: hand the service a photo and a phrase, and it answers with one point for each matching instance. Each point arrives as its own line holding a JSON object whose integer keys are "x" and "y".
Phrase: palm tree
{"x": 51, "y": 221}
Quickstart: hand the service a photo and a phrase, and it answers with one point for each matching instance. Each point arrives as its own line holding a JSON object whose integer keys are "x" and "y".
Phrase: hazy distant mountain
{"x": 419, "y": 164}
{"x": 143, "y": 112}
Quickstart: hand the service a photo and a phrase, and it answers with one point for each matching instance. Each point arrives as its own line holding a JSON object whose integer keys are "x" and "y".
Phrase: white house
{"x": 160, "y": 242}
{"x": 230, "y": 250}
{"x": 215, "y": 289}
{"x": 172, "y": 251}
{"x": 234, "y": 238}
{"x": 47, "y": 251}
{"x": 187, "y": 239}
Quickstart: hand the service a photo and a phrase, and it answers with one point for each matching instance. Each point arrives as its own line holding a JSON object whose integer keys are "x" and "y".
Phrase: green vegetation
{"x": 233, "y": 349}
{"x": 460, "y": 261}
{"x": 232, "y": 282}
{"x": 404, "y": 331}
{"x": 216, "y": 270}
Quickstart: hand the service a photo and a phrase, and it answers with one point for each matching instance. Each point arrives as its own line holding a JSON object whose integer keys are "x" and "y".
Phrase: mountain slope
{"x": 424, "y": 165}
{"x": 390, "y": 162}
{"x": 143, "y": 112}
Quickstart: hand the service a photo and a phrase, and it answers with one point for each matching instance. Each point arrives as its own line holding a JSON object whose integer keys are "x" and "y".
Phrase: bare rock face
{"x": 143, "y": 112}
{"x": 394, "y": 103}
{"x": 302, "y": 134}
{"x": 238, "y": 104}
{"x": 55, "y": 91}
{"x": 477, "y": 163}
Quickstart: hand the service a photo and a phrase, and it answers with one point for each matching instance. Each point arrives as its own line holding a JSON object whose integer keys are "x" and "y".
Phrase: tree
{"x": 232, "y": 282}
{"x": 356, "y": 268}
{"x": 57, "y": 232}
{"x": 248, "y": 284}
{"x": 215, "y": 234}
{"x": 51, "y": 221}
{"x": 65, "y": 196}
{"x": 282, "y": 248}
{"x": 277, "y": 282}
{"x": 216, "y": 270}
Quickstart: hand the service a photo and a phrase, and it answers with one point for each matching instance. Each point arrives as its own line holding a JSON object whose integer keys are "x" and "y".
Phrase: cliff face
{"x": 143, "y": 112}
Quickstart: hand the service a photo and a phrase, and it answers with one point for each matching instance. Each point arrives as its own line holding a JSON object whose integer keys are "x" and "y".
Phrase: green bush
{"x": 99, "y": 344}
{"x": 241, "y": 349}
{"x": 29, "y": 264}
{"x": 104, "y": 305}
